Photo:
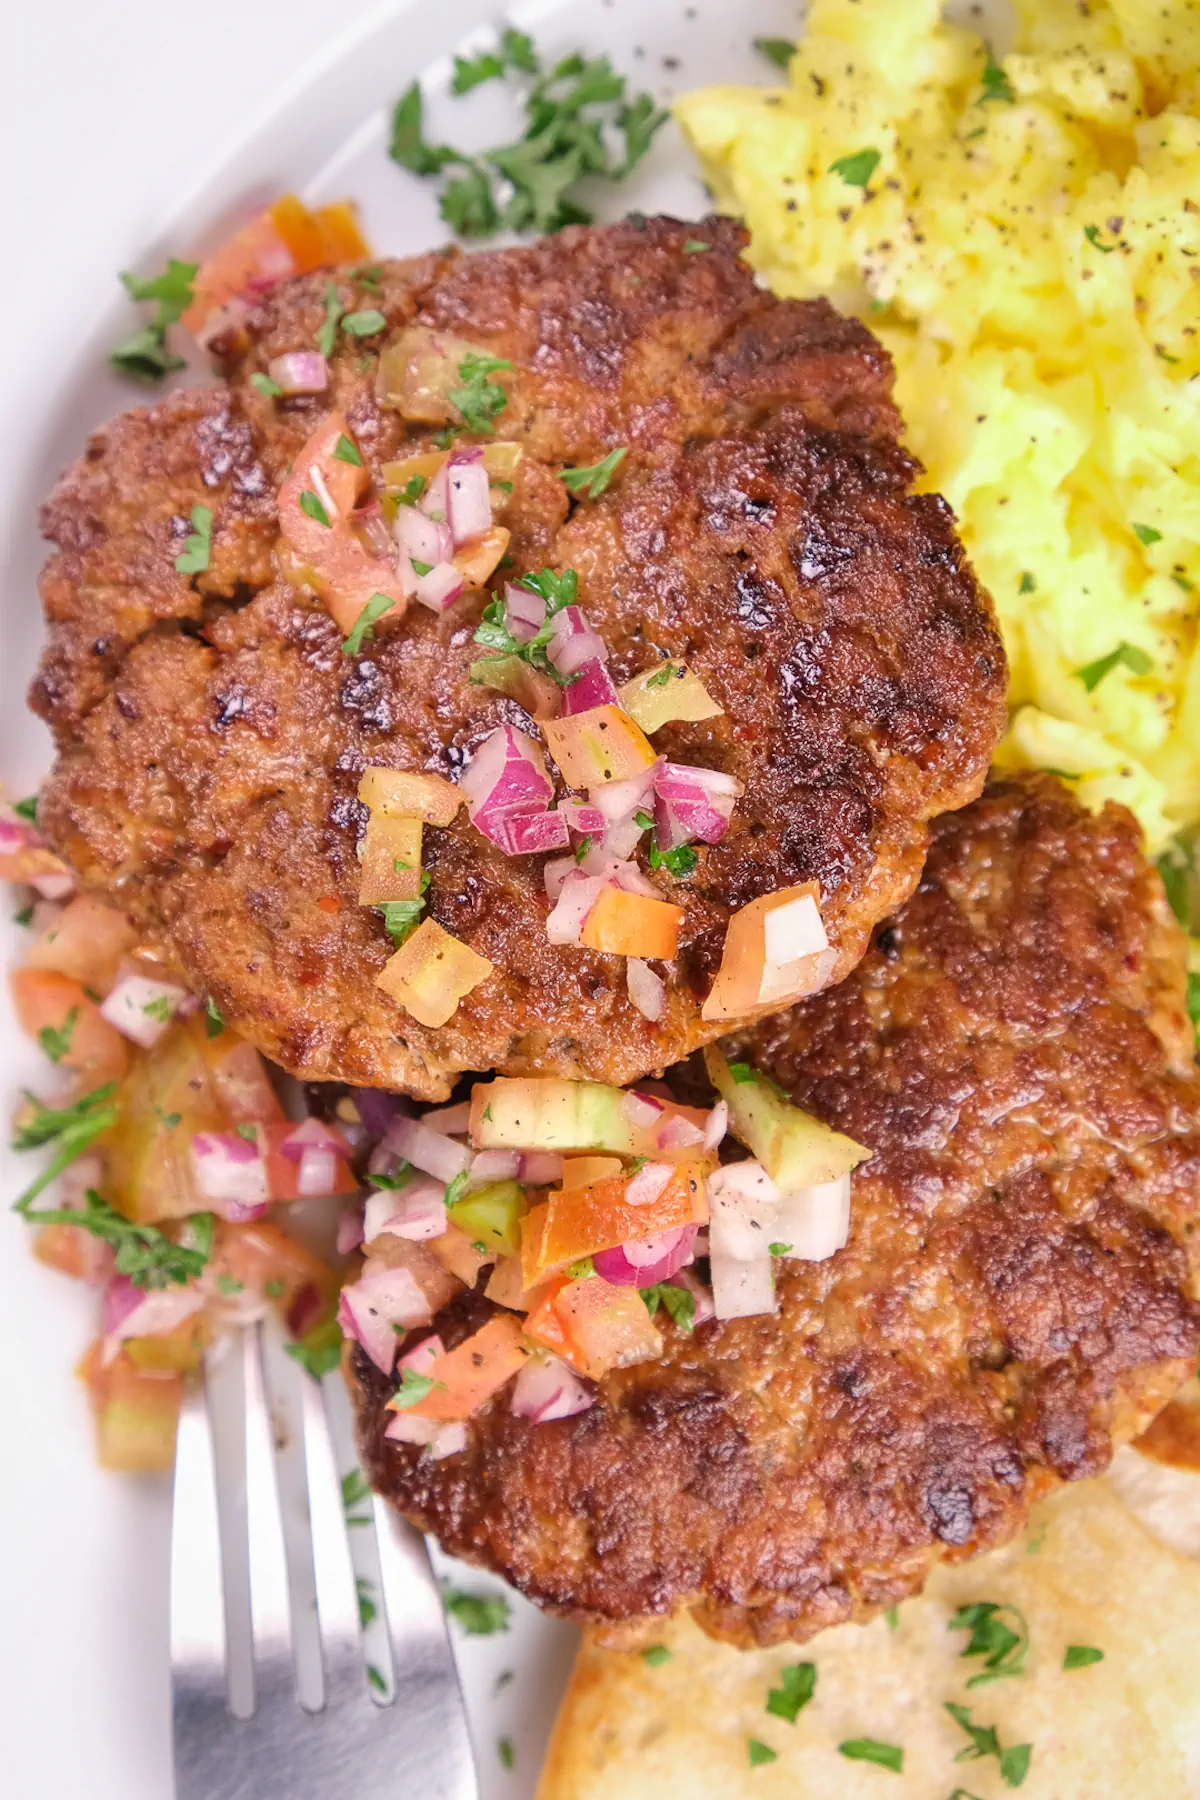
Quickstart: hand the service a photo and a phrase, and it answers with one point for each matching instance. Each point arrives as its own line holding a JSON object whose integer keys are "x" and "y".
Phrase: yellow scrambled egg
{"x": 1023, "y": 232}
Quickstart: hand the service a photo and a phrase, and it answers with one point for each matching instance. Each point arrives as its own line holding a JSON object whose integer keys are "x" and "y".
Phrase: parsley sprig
{"x": 1130, "y": 656}
{"x": 590, "y": 482}
{"x": 677, "y": 1302}
{"x": 70, "y": 1130}
{"x": 197, "y": 552}
{"x": 557, "y": 591}
{"x": 145, "y": 354}
{"x": 478, "y": 1615}
{"x": 363, "y": 627}
{"x": 573, "y": 112}
{"x": 1003, "y": 1645}
{"x": 143, "y": 1252}
{"x": 480, "y": 401}
{"x": 1014, "y": 1762}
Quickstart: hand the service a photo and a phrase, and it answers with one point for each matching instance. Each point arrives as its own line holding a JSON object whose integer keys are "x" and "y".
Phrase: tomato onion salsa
{"x": 581, "y": 1209}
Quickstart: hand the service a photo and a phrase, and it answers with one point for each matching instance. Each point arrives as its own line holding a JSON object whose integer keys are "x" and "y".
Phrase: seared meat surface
{"x": 1016, "y": 1296}
{"x": 211, "y": 732}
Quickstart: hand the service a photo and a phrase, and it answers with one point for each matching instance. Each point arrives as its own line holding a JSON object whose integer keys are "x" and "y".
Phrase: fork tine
{"x": 440, "y": 1766}
{"x": 270, "y": 1601}
{"x": 337, "y": 1595}
{"x": 198, "y": 1638}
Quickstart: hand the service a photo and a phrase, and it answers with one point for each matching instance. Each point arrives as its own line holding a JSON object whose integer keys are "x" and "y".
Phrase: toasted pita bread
{"x": 1091, "y": 1571}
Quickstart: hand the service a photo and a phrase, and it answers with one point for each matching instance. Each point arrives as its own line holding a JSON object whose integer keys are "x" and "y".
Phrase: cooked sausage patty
{"x": 1016, "y": 1296}
{"x": 211, "y": 732}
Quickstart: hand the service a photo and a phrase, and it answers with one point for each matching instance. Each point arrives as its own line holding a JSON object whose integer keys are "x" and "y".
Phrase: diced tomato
{"x": 482, "y": 556}
{"x": 455, "y": 1251}
{"x": 88, "y": 943}
{"x": 623, "y": 924}
{"x": 466, "y": 1378}
{"x": 265, "y": 1260}
{"x": 545, "y": 1326}
{"x": 46, "y": 1001}
{"x": 283, "y": 1173}
{"x": 329, "y": 556}
{"x": 506, "y": 1286}
{"x": 598, "y": 746}
{"x": 431, "y": 973}
{"x": 241, "y": 1081}
{"x": 576, "y": 1222}
{"x": 284, "y": 239}
{"x": 79, "y": 1254}
{"x": 608, "y": 1327}
{"x": 136, "y": 1412}
{"x": 342, "y": 237}
{"x": 167, "y": 1097}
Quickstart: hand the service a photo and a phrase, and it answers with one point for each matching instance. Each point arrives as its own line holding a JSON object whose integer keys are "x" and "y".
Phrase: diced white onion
{"x": 647, "y": 990}
{"x": 639, "y": 1110}
{"x": 815, "y": 1221}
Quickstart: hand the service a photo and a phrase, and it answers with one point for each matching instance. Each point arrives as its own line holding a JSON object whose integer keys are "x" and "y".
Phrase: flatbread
{"x": 1090, "y": 1572}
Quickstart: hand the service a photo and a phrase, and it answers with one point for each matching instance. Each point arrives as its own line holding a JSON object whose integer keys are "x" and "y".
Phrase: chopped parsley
{"x": 1146, "y": 534}
{"x": 583, "y": 848}
{"x": 27, "y": 809}
{"x": 857, "y": 168}
{"x": 557, "y": 591}
{"x": 214, "y": 1018}
{"x": 1014, "y": 1762}
{"x": 678, "y": 862}
{"x": 401, "y": 917}
{"x": 1027, "y": 585}
{"x": 996, "y": 85}
{"x": 1129, "y": 655}
{"x": 779, "y": 51}
{"x": 158, "y": 1009}
{"x": 327, "y": 335}
{"x": 143, "y": 1252}
{"x": 694, "y": 246}
{"x": 145, "y": 354}
{"x": 678, "y": 1303}
{"x": 887, "y": 1756}
{"x": 582, "y": 1270}
{"x": 319, "y": 1351}
{"x": 1193, "y": 1002}
{"x": 457, "y": 1188}
{"x": 644, "y": 819}
{"x": 780, "y": 1249}
{"x": 1003, "y": 1645}
{"x": 760, "y": 1753}
{"x": 479, "y": 402}
{"x": 314, "y": 508}
{"x": 355, "y": 1492}
{"x": 364, "y": 324}
{"x": 478, "y": 1615}
{"x": 573, "y": 113}
{"x": 197, "y": 552}
{"x": 56, "y": 1040}
{"x": 797, "y": 1685}
{"x": 742, "y": 1072}
{"x": 228, "y": 1285}
{"x": 412, "y": 490}
{"x": 413, "y": 1387}
{"x": 393, "y": 1183}
{"x": 248, "y": 1132}
{"x": 1092, "y": 234}
{"x": 375, "y": 608}
{"x": 1082, "y": 1656}
{"x": 419, "y": 567}
{"x": 24, "y": 916}
{"x": 376, "y": 1679}
{"x": 274, "y": 1290}
{"x": 368, "y": 1612}
{"x": 661, "y": 676}
{"x": 891, "y": 1618}
{"x": 590, "y": 482}
{"x": 346, "y": 450}
{"x": 506, "y": 1753}
{"x": 265, "y": 386}
{"x": 655, "y": 1655}
{"x": 70, "y": 1130}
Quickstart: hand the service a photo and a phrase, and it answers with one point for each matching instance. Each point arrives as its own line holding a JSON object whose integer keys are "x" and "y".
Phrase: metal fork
{"x": 347, "y": 1733}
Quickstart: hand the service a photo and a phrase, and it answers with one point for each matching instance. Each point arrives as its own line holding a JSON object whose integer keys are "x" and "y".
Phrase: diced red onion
{"x": 304, "y": 1308}
{"x": 310, "y": 1134}
{"x": 640, "y": 1110}
{"x": 440, "y": 588}
{"x": 426, "y": 1354}
{"x": 692, "y": 803}
{"x": 53, "y": 884}
{"x": 494, "y": 1165}
{"x": 470, "y": 504}
{"x": 441, "y": 1439}
{"x": 231, "y": 1174}
{"x": 142, "y": 1009}
{"x": 716, "y": 1125}
{"x": 506, "y": 774}
{"x": 369, "y": 1308}
{"x": 540, "y": 1168}
{"x": 644, "y": 1261}
{"x": 317, "y": 1174}
{"x": 555, "y": 873}
{"x": 133, "y": 1312}
{"x": 815, "y": 1221}
{"x": 578, "y": 895}
{"x": 592, "y": 686}
{"x": 370, "y": 522}
{"x": 648, "y": 992}
{"x": 14, "y": 837}
{"x": 349, "y": 1230}
{"x": 375, "y": 1109}
{"x": 620, "y": 802}
{"x": 435, "y": 501}
{"x": 573, "y": 642}
{"x": 422, "y": 539}
{"x": 547, "y": 1389}
{"x": 702, "y": 1301}
{"x": 601, "y": 861}
{"x": 429, "y": 1150}
{"x": 679, "y": 1134}
{"x": 649, "y": 1182}
{"x": 452, "y": 1121}
{"x": 583, "y": 817}
{"x": 300, "y": 372}
{"x": 524, "y": 612}
{"x": 520, "y": 833}
{"x": 417, "y": 1212}
{"x": 628, "y": 876}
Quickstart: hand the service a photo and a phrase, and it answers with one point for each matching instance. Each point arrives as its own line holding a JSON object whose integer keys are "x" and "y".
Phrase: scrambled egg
{"x": 1023, "y": 232}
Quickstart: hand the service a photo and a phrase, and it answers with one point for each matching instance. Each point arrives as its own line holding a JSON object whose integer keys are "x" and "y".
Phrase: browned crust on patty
{"x": 1016, "y": 1296}
{"x": 211, "y": 733}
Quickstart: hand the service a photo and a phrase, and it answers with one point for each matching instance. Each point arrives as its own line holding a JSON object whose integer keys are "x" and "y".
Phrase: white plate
{"x": 83, "y": 1556}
